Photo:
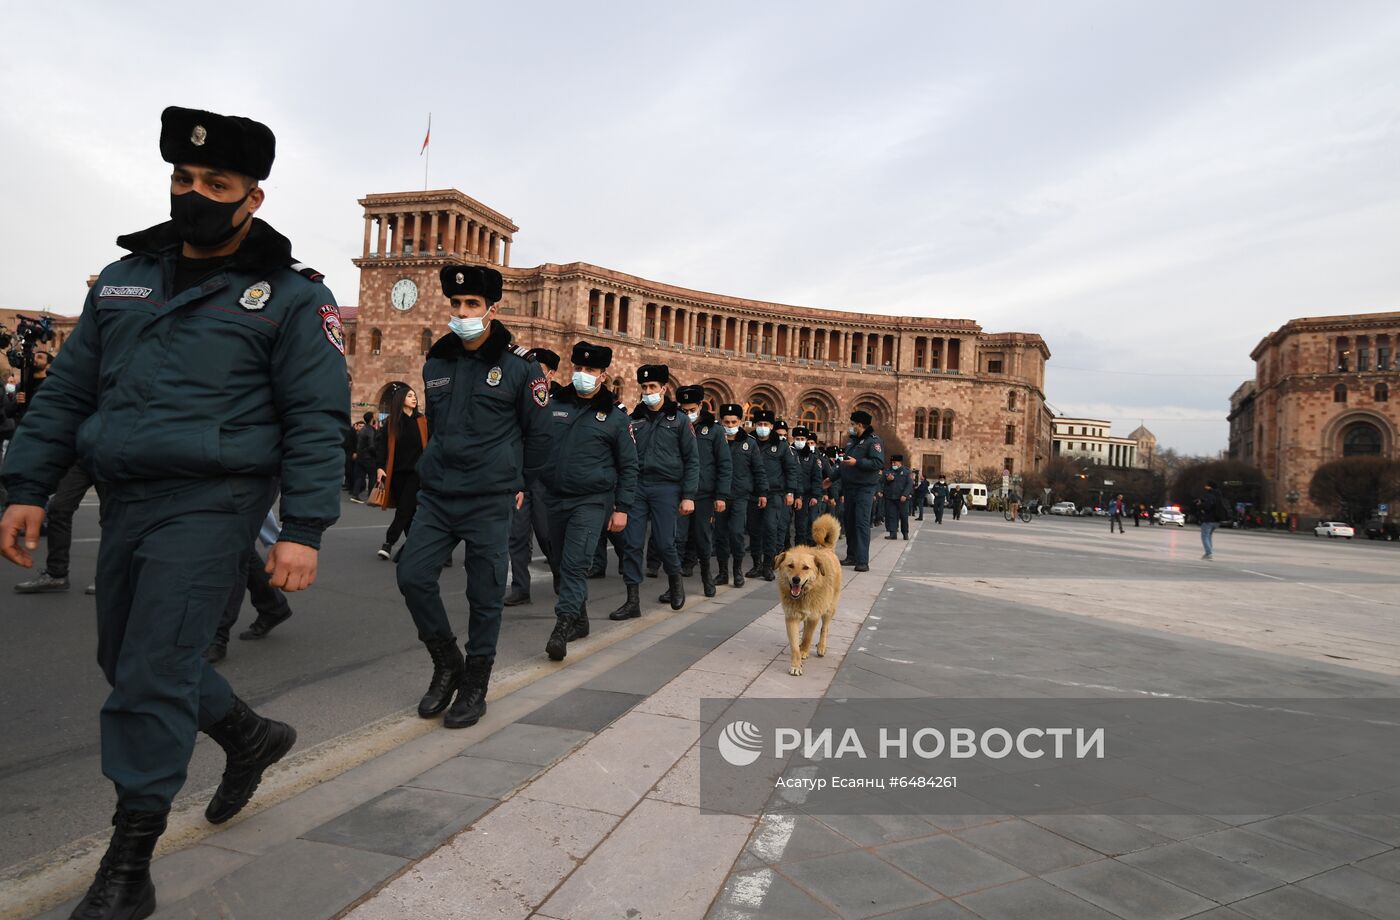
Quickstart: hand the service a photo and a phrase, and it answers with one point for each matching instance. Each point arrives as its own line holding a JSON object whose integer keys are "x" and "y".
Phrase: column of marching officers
{"x": 242, "y": 397}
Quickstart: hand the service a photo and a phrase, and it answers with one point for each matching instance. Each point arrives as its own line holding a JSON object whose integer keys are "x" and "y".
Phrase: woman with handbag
{"x": 397, "y": 450}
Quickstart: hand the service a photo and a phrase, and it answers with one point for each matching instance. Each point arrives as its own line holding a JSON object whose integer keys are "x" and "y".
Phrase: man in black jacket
{"x": 242, "y": 385}
{"x": 750, "y": 478}
{"x": 531, "y": 515}
{"x": 669, "y": 475}
{"x": 1211, "y": 510}
{"x": 590, "y": 483}
{"x": 860, "y": 478}
{"x": 697, "y": 534}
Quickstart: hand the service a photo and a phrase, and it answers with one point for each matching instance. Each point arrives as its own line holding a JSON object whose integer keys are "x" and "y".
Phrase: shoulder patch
{"x": 306, "y": 271}
{"x": 879, "y": 448}
{"x": 539, "y": 389}
{"x": 335, "y": 332}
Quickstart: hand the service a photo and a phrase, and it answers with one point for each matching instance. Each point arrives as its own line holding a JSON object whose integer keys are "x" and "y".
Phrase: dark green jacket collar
{"x": 263, "y": 249}
{"x": 450, "y": 347}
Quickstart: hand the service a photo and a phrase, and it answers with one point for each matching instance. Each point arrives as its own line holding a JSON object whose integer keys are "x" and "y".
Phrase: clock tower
{"x": 409, "y": 236}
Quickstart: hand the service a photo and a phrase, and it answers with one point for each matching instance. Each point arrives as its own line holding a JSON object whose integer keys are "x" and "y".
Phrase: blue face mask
{"x": 731, "y": 432}
{"x": 585, "y": 383}
{"x": 762, "y": 431}
{"x": 467, "y": 328}
{"x": 652, "y": 400}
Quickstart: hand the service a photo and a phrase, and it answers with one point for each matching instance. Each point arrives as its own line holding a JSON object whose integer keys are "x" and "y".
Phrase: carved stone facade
{"x": 946, "y": 394}
{"x": 1321, "y": 391}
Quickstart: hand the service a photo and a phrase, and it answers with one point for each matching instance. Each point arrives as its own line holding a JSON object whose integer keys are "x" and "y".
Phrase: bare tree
{"x": 1352, "y": 487}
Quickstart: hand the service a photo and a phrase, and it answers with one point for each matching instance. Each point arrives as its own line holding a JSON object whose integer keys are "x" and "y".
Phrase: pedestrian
{"x": 957, "y": 501}
{"x": 590, "y": 484}
{"x": 1013, "y": 504}
{"x": 668, "y": 477}
{"x": 920, "y": 493}
{"x": 64, "y": 503}
{"x": 365, "y": 465}
{"x": 270, "y": 603}
{"x": 1115, "y": 513}
{"x": 831, "y": 459}
{"x": 488, "y": 428}
{"x": 1211, "y": 511}
{"x": 532, "y": 515}
{"x": 939, "y": 493}
{"x": 860, "y": 478}
{"x": 696, "y": 534}
{"x": 766, "y": 532}
{"x": 400, "y": 445}
{"x": 808, "y": 490}
{"x": 219, "y": 316}
{"x": 749, "y": 480}
{"x": 1138, "y": 511}
{"x": 9, "y": 411}
{"x": 351, "y": 440}
{"x": 897, "y": 490}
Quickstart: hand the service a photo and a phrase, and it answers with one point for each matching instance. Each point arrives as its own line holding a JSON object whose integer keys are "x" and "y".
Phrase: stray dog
{"x": 809, "y": 581}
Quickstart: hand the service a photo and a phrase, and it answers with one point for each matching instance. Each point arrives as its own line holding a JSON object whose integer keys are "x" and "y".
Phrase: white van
{"x": 974, "y": 493}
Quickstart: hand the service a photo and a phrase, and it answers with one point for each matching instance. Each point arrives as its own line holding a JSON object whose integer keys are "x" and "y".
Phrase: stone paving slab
{"x": 1031, "y": 899}
{"x": 328, "y": 877}
{"x": 583, "y": 709}
{"x": 1128, "y": 892}
{"x": 663, "y": 860}
{"x": 469, "y": 774}
{"x": 405, "y": 822}
{"x": 1196, "y": 870}
{"x": 1028, "y": 846}
{"x": 540, "y": 745}
{"x": 1351, "y": 886}
{"x": 859, "y": 884}
{"x": 1293, "y": 903}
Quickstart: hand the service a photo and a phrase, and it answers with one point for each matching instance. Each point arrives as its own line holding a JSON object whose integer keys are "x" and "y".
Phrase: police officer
{"x": 939, "y": 493}
{"x": 697, "y": 534}
{"x": 669, "y": 474}
{"x": 860, "y": 477}
{"x": 750, "y": 484}
{"x": 488, "y": 441}
{"x": 591, "y": 483}
{"x": 531, "y": 514}
{"x": 780, "y": 431}
{"x": 810, "y": 473}
{"x": 831, "y": 469}
{"x": 898, "y": 489}
{"x": 781, "y": 469}
{"x": 242, "y": 382}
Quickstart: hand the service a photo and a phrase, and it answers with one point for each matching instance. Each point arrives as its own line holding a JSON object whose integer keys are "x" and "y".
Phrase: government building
{"x": 1321, "y": 391}
{"x": 949, "y": 396}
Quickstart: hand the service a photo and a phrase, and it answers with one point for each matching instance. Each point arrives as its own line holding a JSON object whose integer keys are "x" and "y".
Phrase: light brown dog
{"x": 809, "y": 581}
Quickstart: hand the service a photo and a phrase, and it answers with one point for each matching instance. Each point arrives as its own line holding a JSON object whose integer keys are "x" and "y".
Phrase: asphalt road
{"x": 350, "y": 656}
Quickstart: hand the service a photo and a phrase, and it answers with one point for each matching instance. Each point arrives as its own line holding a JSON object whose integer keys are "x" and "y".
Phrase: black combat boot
{"x": 580, "y": 623}
{"x": 470, "y": 704}
{"x": 688, "y": 569}
{"x": 677, "y": 592}
{"x": 217, "y": 651}
{"x": 768, "y": 568}
{"x": 756, "y": 570}
{"x": 265, "y": 623}
{"x": 447, "y": 673}
{"x": 707, "y": 578}
{"x": 252, "y": 744}
{"x": 723, "y": 577}
{"x": 557, "y": 646}
{"x": 631, "y": 608}
{"x": 738, "y": 575}
{"x": 123, "y": 889}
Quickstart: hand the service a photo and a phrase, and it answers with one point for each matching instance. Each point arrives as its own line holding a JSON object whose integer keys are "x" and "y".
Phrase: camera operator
{"x": 38, "y": 373}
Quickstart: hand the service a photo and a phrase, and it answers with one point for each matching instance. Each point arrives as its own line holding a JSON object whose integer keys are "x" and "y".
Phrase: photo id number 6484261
{"x": 922, "y": 782}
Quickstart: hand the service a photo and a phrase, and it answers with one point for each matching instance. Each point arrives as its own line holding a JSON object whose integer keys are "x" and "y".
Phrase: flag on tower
{"x": 426, "y": 137}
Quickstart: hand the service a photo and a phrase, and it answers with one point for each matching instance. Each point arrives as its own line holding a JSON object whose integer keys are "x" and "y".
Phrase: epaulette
{"x": 306, "y": 271}
{"x": 520, "y": 352}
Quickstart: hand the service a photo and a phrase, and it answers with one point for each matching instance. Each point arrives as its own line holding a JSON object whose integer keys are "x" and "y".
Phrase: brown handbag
{"x": 378, "y": 497}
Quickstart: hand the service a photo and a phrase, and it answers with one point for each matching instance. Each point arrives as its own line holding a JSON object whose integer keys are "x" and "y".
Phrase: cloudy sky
{"x": 1150, "y": 186}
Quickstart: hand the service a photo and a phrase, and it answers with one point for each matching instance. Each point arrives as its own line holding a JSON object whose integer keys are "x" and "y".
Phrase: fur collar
{"x": 668, "y": 407}
{"x": 450, "y": 346}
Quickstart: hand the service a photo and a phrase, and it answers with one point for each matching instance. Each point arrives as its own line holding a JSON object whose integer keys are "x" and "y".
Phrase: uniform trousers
{"x": 168, "y": 560}
{"x": 657, "y": 504}
{"x": 254, "y": 581}
{"x": 482, "y": 523}
{"x": 757, "y": 521}
{"x": 574, "y": 527}
{"x": 533, "y": 514}
{"x": 803, "y": 516}
{"x": 59, "y": 516}
{"x": 731, "y": 529}
{"x": 857, "y": 524}
{"x": 896, "y": 516}
{"x": 695, "y": 535}
{"x": 775, "y": 524}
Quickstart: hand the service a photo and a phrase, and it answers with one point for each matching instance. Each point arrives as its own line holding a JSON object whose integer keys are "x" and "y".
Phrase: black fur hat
{"x": 761, "y": 415}
{"x": 229, "y": 142}
{"x": 586, "y": 354}
{"x": 731, "y": 409}
{"x": 653, "y": 373}
{"x": 463, "y": 280}
{"x": 546, "y": 357}
{"x": 691, "y": 393}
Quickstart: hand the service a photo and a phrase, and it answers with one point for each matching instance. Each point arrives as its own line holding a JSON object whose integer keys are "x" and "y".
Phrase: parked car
{"x": 1063, "y": 508}
{"x": 1334, "y": 529}
{"x": 1171, "y": 515}
{"x": 1381, "y": 529}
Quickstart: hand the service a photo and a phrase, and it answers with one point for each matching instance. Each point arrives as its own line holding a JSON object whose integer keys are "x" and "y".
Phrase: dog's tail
{"x": 825, "y": 531}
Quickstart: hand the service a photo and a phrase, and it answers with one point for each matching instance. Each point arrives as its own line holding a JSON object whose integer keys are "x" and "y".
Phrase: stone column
{"x": 383, "y": 235}
{"x": 491, "y": 247}
{"x": 417, "y": 233}
{"x": 433, "y": 235}
{"x": 369, "y": 222}
{"x": 450, "y": 243}
{"x": 505, "y": 259}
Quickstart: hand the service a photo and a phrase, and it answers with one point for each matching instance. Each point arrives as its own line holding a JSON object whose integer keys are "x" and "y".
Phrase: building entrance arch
{"x": 817, "y": 410}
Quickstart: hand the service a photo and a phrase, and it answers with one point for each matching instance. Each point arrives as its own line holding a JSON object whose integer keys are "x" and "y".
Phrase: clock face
{"x": 404, "y": 294}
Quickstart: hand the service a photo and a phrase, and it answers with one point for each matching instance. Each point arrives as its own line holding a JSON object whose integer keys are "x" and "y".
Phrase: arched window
{"x": 1339, "y": 393}
{"x": 947, "y": 424}
{"x": 1382, "y": 392}
{"x": 425, "y": 342}
{"x": 1011, "y": 400}
{"x": 919, "y": 418}
{"x": 1361, "y": 439}
{"x": 376, "y": 341}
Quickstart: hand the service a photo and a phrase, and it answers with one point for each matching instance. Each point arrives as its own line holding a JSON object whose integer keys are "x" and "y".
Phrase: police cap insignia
{"x": 461, "y": 278}
{"x": 198, "y": 135}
